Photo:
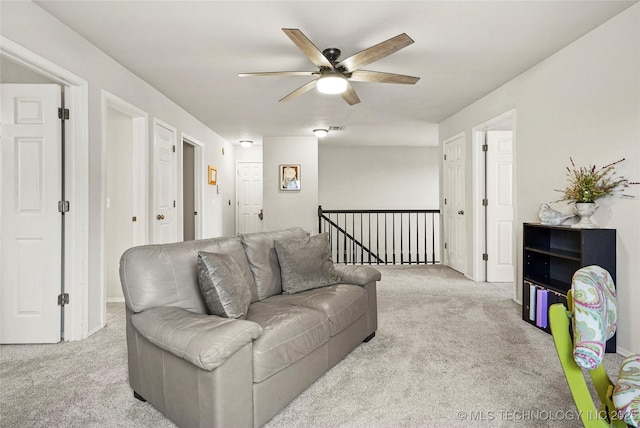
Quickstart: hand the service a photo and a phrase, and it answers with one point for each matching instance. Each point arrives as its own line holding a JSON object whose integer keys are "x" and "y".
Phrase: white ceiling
{"x": 192, "y": 52}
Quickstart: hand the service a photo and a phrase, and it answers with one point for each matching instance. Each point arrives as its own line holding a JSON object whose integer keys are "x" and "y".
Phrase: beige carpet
{"x": 448, "y": 352}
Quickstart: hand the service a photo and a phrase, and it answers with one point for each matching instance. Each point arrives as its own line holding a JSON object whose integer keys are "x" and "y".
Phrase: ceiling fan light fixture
{"x": 246, "y": 143}
{"x": 332, "y": 83}
{"x": 320, "y": 132}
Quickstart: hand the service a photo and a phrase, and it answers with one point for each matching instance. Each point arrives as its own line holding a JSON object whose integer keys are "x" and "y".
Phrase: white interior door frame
{"x": 478, "y": 167}
{"x": 140, "y": 182}
{"x": 200, "y": 176}
{"x": 140, "y": 159}
{"x": 76, "y": 94}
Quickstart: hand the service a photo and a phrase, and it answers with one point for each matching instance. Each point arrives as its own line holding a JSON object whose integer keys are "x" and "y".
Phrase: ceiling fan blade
{"x": 279, "y": 73}
{"x": 380, "y": 77}
{"x": 350, "y": 96}
{"x": 376, "y": 52}
{"x": 308, "y": 48}
{"x": 301, "y": 90}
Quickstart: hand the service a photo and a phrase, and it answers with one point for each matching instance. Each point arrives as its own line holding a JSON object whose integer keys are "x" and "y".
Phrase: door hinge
{"x": 134, "y": 218}
{"x": 485, "y": 147}
{"x": 445, "y": 245}
{"x": 63, "y": 206}
{"x": 485, "y": 202}
{"x": 63, "y": 299}
{"x": 63, "y": 113}
{"x": 445, "y": 157}
{"x": 485, "y": 257}
{"x": 174, "y": 204}
{"x": 195, "y": 213}
{"x": 173, "y": 149}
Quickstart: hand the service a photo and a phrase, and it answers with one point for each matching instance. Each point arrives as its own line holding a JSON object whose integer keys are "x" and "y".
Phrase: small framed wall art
{"x": 289, "y": 177}
{"x": 213, "y": 175}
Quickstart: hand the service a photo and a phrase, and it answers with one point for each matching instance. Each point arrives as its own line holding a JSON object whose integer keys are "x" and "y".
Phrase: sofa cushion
{"x": 167, "y": 274}
{"x": 289, "y": 334}
{"x": 305, "y": 263}
{"x": 222, "y": 284}
{"x": 263, "y": 260}
{"x": 343, "y": 304}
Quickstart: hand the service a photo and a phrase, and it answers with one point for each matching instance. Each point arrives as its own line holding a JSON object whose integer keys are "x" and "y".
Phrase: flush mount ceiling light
{"x": 320, "y": 132}
{"x": 332, "y": 82}
{"x": 246, "y": 143}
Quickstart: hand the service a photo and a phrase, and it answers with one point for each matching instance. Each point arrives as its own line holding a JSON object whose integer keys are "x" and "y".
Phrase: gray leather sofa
{"x": 202, "y": 370}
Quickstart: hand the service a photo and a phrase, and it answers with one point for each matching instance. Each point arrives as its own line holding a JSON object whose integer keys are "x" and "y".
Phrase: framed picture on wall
{"x": 213, "y": 175}
{"x": 289, "y": 177}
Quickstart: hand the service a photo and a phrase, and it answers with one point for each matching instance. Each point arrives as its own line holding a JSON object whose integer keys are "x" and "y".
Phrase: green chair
{"x": 592, "y": 315}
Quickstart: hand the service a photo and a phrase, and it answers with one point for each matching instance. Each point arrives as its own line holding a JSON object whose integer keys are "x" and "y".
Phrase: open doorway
{"x": 192, "y": 179}
{"x": 125, "y": 186}
{"x": 494, "y": 175}
{"x": 189, "y": 211}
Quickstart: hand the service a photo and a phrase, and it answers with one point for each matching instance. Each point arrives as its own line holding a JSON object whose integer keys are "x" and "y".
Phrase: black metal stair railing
{"x": 382, "y": 236}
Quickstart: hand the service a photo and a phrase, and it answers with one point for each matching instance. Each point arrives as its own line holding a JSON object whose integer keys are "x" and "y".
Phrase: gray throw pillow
{"x": 305, "y": 263}
{"x": 263, "y": 260}
{"x": 223, "y": 286}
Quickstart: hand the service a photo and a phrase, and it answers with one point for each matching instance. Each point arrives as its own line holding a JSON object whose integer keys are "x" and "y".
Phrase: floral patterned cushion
{"x": 594, "y": 307}
{"x": 626, "y": 394}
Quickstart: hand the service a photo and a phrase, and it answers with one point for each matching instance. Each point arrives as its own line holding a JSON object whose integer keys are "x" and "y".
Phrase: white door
{"x": 500, "y": 263}
{"x": 249, "y": 197}
{"x": 30, "y": 224}
{"x": 454, "y": 224}
{"x": 164, "y": 184}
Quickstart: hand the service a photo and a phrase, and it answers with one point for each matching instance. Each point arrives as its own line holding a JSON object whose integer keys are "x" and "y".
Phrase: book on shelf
{"x": 542, "y": 309}
{"x": 532, "y": 302}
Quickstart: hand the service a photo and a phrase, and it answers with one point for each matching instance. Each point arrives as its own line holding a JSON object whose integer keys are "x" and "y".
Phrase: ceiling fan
{"x": 333, "y": 76}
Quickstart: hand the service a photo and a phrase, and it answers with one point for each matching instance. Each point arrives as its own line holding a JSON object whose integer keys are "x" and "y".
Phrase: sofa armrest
{"x": 357, "y": 274}
{"x": 205, "y": 341}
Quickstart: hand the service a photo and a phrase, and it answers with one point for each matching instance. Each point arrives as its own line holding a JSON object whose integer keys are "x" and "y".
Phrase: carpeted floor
{"x": 448, "y": 352}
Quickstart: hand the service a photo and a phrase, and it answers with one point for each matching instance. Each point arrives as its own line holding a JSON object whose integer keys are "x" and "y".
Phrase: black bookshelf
{"x": 552, "y": 254}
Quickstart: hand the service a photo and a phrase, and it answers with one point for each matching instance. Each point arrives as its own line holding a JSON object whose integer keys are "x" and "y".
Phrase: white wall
{"x": 283, "y": 209}
{"x": 220, "y": 217}
{"x": 248, "y": 154}
{"x": 31, "y": 27}
{"x": 378, "y": 177}
{"x": 582, "y": 102}
{"x": 11, "y": 72}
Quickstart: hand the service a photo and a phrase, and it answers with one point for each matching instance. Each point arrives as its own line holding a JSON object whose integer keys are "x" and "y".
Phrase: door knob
{"x": 461, "y": 212}
{"x": 261, "y": 215}
{"x": 160, "y": 217}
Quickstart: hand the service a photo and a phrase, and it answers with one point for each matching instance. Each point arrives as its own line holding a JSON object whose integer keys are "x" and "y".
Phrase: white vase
{"x": 585, "y": 210}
